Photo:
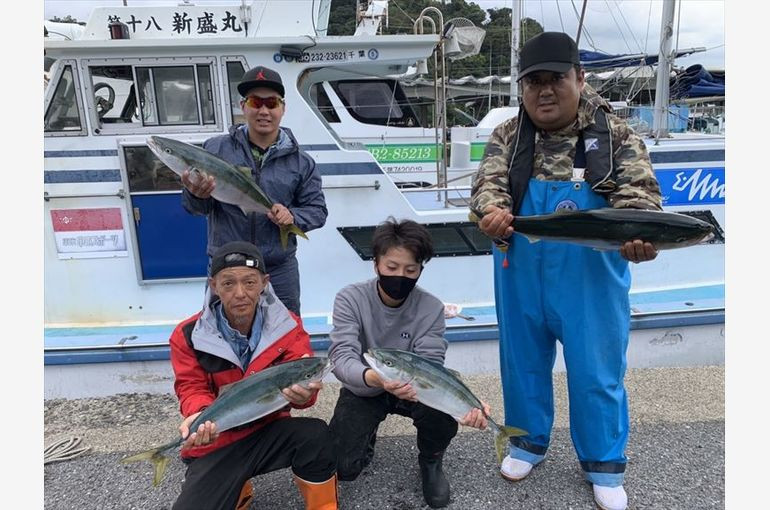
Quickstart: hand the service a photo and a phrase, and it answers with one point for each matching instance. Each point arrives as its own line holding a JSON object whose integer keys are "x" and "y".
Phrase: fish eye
{"x": 307, "y": 375}
{"x": 389, "y": 363}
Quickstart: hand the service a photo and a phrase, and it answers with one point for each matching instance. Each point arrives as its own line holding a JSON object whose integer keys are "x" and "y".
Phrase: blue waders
{"x": 578, "y": 295}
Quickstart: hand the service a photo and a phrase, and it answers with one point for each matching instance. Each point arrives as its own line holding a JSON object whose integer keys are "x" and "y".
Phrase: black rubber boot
{"x": 435, "y": 486}
{"x": 370, "y": 449}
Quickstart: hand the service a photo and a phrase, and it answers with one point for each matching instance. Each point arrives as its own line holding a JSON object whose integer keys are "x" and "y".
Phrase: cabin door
{"x": 171, "y": 243}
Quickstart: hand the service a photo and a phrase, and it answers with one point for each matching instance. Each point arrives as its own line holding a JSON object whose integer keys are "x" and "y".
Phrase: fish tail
{"x": 290, "y": 229}
{"x": 155, "y": 455}
{"x": 501, "y": 439}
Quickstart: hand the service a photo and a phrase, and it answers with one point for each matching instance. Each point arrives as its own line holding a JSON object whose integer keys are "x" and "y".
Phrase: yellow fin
{"x": 290, "y": 229}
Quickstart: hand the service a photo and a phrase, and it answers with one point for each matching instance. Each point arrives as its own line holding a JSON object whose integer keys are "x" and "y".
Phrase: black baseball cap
{"x": 260, "y": 76}
{"x": 548, "y": 51}
{"x": 236, "y": 254}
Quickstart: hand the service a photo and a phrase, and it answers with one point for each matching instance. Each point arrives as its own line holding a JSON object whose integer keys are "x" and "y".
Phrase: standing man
{"x": 243, "y": 329}
{"x": 390, "y": 311}
{"x": 285, "y": 172}
{"x": 565, "y": 150}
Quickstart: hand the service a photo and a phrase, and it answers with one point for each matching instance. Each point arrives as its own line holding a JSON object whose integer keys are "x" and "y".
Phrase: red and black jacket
{"x": 203, "y": 362}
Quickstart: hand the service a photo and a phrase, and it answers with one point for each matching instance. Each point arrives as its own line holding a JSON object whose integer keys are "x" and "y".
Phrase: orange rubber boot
{"x": 247, "y": 494}
{"x": 318, "y": 495}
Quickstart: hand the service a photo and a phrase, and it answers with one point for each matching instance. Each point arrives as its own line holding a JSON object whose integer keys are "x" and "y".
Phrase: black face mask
{"x": 397, "y": 287}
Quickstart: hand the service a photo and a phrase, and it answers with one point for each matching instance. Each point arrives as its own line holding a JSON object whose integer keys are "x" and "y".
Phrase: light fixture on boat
{"x": 422, "y": 66}
{"x": 452, "y": 47}
{"x": 118, "y": 30}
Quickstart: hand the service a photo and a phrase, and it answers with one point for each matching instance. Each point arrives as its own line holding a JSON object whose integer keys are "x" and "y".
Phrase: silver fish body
{"x": 609, "y": 228}
{"x": 436, "y": 387}
{"x": 244, "y": 401}
{"x": 233, "y": 185}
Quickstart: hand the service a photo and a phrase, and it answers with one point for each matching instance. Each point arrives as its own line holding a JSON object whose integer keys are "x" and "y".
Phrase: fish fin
{"x": 454, "y": 373}
{"x": 244, "y": 170}
{"x": 155, "y": 456}
{"x": 501, "y": 439}
{"x": 290, "y": 229}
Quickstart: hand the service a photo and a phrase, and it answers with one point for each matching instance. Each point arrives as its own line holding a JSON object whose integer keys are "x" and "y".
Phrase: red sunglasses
{"x": 257, "y": 102}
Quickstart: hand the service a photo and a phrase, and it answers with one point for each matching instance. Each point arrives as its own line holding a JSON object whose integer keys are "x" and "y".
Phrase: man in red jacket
{"x": 243, "y": 329}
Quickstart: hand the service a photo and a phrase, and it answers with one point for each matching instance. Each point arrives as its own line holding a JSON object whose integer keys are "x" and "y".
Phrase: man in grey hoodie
{"x": 283, "y": 170}
{"x": 390, "y": 311}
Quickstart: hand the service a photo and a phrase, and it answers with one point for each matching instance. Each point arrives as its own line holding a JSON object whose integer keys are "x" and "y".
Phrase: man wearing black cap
{"x": 285, "y": 172}
{"x": 566, "y": 150}
{"x": 243, "y": 329}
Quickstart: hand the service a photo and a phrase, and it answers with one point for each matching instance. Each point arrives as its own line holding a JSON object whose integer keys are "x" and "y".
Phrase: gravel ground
{"x": 675, "y": 450}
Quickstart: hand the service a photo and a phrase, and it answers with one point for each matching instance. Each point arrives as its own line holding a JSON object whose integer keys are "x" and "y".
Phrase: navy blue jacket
{"x": 288, "y": 176}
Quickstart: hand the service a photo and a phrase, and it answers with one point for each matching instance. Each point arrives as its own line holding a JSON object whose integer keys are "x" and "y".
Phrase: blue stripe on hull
{"x": 113, "y": 175}
{"x": 90, "y": 153}
{"x": 687, "y": 156}
{"x": 362, "y": 168}
{"x": 321, "y": 342}
{"x": 72, "y": 176}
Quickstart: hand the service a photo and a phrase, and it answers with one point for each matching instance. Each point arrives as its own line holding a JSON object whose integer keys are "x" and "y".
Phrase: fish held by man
{"x": 437, "y": 387}
{"x": 244, "y": 401}
{"x": 609, "y": 228}
{"x": 234, "y": 185}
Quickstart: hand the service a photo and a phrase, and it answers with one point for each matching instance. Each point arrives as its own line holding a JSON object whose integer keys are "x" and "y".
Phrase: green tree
{"x": 342, "y": 17}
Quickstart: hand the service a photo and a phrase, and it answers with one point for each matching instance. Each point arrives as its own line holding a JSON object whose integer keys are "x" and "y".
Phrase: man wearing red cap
{"x": 283, "y": 170}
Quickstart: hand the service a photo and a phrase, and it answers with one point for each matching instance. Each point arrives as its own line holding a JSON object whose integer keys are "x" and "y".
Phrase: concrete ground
{"x": 676, "y": 453}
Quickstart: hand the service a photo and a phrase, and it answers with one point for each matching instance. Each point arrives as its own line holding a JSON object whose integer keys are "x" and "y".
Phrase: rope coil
{"x": 64, "y": 449}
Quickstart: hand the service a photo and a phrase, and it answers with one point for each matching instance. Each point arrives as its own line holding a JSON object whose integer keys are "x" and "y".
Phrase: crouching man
{"x": 244, "y": 328}
{"x": 389, "y": 311}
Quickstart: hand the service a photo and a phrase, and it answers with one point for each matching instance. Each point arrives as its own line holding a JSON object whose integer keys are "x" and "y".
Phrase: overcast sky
{"x": 613, "y": 26}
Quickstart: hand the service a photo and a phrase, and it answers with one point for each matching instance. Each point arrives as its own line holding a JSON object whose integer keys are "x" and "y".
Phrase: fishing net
{"x": 468, "y": 37}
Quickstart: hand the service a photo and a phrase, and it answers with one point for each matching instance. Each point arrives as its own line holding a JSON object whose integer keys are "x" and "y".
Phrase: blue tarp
{"x": 695, "y": 81}
{"x": 598, "y": 60}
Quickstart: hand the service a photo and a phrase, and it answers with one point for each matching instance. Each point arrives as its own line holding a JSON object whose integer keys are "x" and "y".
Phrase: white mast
{"x": 660, "y": 120}
{"x": 515, "y": 29}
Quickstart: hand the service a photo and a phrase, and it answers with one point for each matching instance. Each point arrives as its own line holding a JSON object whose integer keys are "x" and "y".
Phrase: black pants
{"x": 214, "y": 481}
{"x": 354, "y": 428}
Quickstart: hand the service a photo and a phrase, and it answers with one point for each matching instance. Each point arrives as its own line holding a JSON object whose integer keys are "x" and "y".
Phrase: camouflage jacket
{"x": 633, "y": 183}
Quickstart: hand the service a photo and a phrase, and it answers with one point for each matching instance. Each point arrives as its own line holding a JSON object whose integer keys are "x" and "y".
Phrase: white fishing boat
{"x": 124, "y": 263}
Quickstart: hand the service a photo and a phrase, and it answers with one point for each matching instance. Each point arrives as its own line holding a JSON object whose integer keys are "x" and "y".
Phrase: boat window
{"x": 113, "y": 91}
{"x": 379, "y": 102}
{"x": 174, "y": 92}
{"x": 206, "y": 94}
{"x": 63, "y": 114}
{"x": 322, "y": 102}
{"x": 449, "y": 239}
{"x": 235, "y": 72}
{"x": 153, "y": 95}
{"x": 147, "y": 173}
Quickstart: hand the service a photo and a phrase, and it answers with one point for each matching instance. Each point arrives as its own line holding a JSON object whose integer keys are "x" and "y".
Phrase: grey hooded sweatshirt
{"x": 362, "y": 321}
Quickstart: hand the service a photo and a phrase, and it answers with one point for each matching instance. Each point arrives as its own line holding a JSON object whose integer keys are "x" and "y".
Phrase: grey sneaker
{"x": 610, "y": 498}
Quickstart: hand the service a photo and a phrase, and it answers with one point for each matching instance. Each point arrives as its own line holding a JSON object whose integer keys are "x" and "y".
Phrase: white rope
{"x": 64, "y": 449}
